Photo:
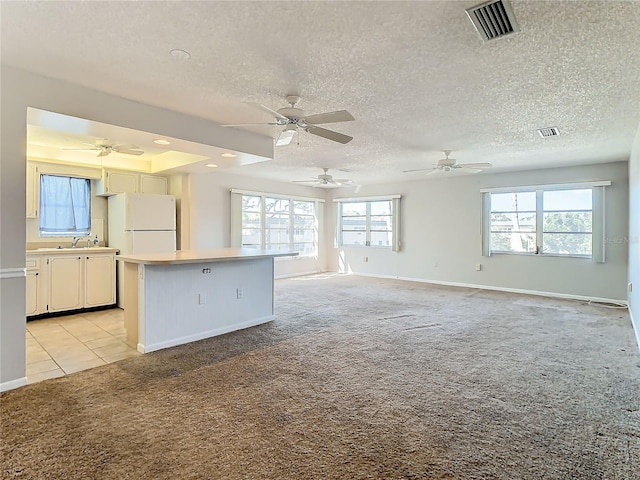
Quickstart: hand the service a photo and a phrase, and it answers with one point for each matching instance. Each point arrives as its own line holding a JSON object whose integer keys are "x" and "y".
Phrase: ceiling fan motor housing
{"x": 447, "y": 162}
{"x": 292, "y": 113}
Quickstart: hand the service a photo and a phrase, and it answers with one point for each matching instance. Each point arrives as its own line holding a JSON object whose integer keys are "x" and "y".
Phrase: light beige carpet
{"x": 358, "y": 378}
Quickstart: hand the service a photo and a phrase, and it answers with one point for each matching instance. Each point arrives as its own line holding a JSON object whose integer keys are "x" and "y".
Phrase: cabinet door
{"x": 33, "y": 190}
{"x": 65, "y": 282}
{"x": 99, "y": 280}
{"x": 32, "y": 293}
{"x": 153, "y": 184}
{"x": 122, "y": 182}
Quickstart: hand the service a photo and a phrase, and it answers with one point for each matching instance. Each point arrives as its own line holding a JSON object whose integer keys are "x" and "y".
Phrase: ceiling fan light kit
{"x": 295, "y": 119}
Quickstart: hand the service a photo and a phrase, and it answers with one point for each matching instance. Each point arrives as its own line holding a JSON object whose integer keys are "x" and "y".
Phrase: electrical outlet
{"x": 366, "y": 259}
{"x": 478, "y": 267}
{"x": 630, "y": 287}
{"x": 239, "y": 293}
{"x": 202, "y": 299}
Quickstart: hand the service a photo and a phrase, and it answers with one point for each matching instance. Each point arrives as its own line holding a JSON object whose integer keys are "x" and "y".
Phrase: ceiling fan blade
{"x": 248, "y": 124}
{"x": 326, "y": 185}
{"x": 130, "y": 152}
{"x": 330, "y": 117}
{"x": 104, "y": 152}
{"x": 125, "y": 146}
{"x": 475, "y": 165}
{"x": 330, "y": 134}
{"x": 129, "y": 149}
{"x": 434, "y": 170}
{"x": 418, "y": 170}
{"x": 285, "y": 137}
{"x": 268, "y": 110}
{"x": 85, "y": 149}
{"x": 304, "y": 181}
{"x": 343, "y": 181}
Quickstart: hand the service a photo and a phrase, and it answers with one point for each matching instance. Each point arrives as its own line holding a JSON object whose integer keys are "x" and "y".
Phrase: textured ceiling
{"x": 415, "y": 75}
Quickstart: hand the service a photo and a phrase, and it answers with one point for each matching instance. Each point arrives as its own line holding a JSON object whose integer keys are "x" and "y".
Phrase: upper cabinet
{"x": 113, "y": 182}
{"x": 33, "y": 190}
{"x": 120, "y": 181}
{"x": 153, "y": 184}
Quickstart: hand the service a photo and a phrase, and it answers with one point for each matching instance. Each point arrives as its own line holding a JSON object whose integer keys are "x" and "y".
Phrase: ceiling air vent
{"x": 549, "y": 132}
{"x": 493, "y": 19}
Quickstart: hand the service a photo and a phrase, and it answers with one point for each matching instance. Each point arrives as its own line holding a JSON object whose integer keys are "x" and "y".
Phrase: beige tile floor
{"x": 62, "y": 345}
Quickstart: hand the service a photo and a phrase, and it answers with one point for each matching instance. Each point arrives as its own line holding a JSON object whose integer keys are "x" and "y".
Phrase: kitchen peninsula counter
{"x": 200, "y": 256}
{"x": 181, "y": 297}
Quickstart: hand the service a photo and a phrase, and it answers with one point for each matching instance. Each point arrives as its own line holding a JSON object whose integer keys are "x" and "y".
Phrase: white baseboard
{"x": 202, "y": 335}
{"x": 11, "y": 384}
{"x": 301, "y": 274}
{"x": 503, "y": 289}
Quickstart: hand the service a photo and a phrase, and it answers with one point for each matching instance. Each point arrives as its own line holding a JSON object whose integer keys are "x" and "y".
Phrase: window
{"x": 567, "y": 222}
{"x": 513, "y": 222}
{"x": 551, "y": 220}
{"x": 368, "y": 223}
{"x": 277, "y": 223}
{"x": 251, "y": 221}
{"x": 65, "y": 206}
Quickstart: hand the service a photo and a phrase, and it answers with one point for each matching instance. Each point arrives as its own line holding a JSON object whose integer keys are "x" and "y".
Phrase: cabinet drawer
{"x": 33, "y": 262}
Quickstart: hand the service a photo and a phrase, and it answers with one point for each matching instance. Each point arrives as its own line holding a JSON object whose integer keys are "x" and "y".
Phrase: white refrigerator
{"x": 140, "y": 223}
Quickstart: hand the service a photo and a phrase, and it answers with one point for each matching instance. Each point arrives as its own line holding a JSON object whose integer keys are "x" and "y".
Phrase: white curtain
{"x": 65, "y": 206}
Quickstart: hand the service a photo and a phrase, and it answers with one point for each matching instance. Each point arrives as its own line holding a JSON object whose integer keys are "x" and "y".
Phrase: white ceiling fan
{"x": 325, "y": 180}
{"x": 451, "y": 165}
{"x": 295, "y": 119}
{"x": 106, "y": 147}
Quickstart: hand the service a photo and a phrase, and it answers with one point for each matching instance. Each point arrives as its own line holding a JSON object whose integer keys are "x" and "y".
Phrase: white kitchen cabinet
{"x": 33, "y": 191}
{"x": 35, "y": 291}
{"x": 153, "y": 184}
{"x": 65, "y": 282}
{"x": 72, "y": 281}
{"x": 99, "y": 280}
{"x": 113, "y": 182}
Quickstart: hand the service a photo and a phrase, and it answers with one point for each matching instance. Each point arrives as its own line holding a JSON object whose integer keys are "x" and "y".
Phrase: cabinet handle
{"x": 37, "y": 274}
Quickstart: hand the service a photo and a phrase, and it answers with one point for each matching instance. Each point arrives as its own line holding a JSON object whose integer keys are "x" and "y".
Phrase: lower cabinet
{"x": 65, "y": 282}
{"x": 99, "y": 280}
{"x": 70, "y": 282}
{"x": 35, "y": 295}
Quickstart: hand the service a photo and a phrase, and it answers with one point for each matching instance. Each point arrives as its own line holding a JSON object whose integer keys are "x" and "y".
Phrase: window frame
{"x": 597, "y": 219}
{"x": 43, "y": 207}
{"x": 290, "y": 228}
{"x": 368, "y": 201}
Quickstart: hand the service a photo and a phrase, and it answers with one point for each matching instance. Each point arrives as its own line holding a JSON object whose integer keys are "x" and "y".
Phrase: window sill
{"x": 531, "y": 254}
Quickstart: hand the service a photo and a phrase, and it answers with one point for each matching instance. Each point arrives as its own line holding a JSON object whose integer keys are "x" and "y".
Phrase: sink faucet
{"x": 74, "y": 242}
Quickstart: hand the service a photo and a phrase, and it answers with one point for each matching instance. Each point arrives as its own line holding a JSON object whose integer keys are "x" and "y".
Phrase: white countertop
{"x": 203, "y": 256}
{"x": 71, "y": 251}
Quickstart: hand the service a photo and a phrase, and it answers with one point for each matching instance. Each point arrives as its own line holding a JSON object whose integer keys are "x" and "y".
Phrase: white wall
{"x": 441, "y": 236}
{"x": 210, "y": 215}
{"x": 20, "y": 90}
{"x": 634, "y": 234}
